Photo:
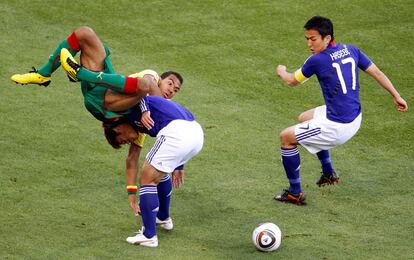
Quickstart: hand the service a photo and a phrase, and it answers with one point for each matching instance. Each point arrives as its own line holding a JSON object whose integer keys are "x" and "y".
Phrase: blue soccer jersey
{"x": 163, "y": 111}
{"x": 337, "y": 71}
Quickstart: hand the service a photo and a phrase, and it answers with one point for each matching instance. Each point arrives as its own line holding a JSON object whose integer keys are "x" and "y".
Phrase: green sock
{"x": 54, "y": 60}
{"x": 110, "y": 81}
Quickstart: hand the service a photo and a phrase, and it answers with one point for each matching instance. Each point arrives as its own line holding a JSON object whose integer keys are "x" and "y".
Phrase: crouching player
{"x": 179, "y": 138}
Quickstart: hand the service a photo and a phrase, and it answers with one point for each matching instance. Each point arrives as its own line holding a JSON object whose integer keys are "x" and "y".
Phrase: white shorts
{"x": 320, "y": 133}
{"x": 176, "y": 144}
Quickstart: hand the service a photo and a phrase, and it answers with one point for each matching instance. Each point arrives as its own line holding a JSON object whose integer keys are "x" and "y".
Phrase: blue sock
{"x": 148, "y": 202}
{"x": 326, "y": 162}
{"x": 164, "y": 189}
{"x": 291, "y": 163}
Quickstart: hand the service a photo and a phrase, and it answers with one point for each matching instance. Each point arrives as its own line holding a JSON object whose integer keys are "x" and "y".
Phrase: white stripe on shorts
{"x": 155, "y": 148}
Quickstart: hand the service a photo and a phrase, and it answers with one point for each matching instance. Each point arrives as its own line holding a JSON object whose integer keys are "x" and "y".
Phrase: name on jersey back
{"x": 340, "y": 54}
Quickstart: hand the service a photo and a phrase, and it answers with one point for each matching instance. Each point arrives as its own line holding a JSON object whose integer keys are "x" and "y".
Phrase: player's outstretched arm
{"x": 286, "y": 76}
{"x": 386, "y": 83}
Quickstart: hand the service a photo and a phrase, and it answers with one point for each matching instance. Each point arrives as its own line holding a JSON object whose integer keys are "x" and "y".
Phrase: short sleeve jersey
{"x": 162, "y": 110}
{"x": 337, "y": 71}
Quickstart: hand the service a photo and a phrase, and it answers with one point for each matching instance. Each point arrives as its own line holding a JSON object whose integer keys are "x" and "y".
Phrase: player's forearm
{"x": 131, "y": 176}
{"x": 386, "y": 83}
{"x": 383, "y": 80}
{"x": 120, "y": 102}
{"x": 132, "y": 164}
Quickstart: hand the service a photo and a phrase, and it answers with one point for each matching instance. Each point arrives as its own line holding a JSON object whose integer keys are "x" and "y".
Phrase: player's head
{"x": 170, "y": 83}
{"x": 119, "y": 133}
{"x": 319, "y": 33}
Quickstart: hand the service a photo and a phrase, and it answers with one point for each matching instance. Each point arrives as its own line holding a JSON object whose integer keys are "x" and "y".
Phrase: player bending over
{"x": 179, "y": 138}
{"x": 97, "y": 75}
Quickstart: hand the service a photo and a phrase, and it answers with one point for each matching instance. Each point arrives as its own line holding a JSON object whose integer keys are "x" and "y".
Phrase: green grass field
{"x": 62, "y": 188}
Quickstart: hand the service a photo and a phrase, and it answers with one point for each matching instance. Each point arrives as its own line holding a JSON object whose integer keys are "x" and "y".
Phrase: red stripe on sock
{"x": 73, "y": 42}
{"x": 54, "y": 63}
{"x": 131, "y": 85}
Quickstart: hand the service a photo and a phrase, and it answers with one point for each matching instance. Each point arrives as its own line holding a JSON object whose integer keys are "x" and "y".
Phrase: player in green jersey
{"x": 97, "y": 75}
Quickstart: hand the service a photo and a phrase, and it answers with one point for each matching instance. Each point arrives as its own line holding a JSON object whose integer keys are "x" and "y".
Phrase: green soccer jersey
{"x": 94, "y": 95}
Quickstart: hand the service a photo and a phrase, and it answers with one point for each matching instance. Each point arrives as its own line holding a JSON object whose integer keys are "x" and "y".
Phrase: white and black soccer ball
{"x": 267, "y": 237}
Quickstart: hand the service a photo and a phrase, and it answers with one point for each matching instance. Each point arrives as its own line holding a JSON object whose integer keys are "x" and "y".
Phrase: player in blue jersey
{"x": 97, "y": 75}
{"x": 169, "y": 86}
{"x": 324, "y": 127}
{"x": 179, "y": 138}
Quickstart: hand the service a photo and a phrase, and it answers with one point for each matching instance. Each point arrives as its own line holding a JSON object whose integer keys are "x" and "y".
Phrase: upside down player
{"x": 97, "y": 75}
{"x": 179, "y": 138}
{"x": 322, "y": 128}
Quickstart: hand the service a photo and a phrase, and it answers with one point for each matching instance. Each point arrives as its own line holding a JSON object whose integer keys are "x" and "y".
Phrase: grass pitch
{"x": 62, "y": 188}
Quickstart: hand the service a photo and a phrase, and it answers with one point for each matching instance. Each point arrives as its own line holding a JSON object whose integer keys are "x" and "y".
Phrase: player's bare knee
{"x": 301, "y": 117}
{"x": 305, "y": 116}
{"x": 283, "y": 137}
{"x": 85, "y": 33}
{"x": 287, "y": 137}
{"x": 145, "y": 178}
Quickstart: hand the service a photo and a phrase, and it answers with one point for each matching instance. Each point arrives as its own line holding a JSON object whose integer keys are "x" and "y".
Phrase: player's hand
{"x": 134, "y": 206}
{"x": 151, "y": 77}
{"x": 178, "y": 178}
{"x": 146, "y": 120}
{"x": 280, "y": 69}
{"x": 401, "y": 104}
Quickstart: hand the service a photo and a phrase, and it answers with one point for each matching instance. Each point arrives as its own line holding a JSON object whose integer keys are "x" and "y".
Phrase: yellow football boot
{"x": 69, "y": 64}
{"x": 31, "y": 78}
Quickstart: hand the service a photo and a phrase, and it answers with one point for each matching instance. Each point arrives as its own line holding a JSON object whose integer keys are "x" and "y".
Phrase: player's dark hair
{"x": 111, "y": 135}
{"x": 170, "y": 72}
{"x": 322, "y": 24}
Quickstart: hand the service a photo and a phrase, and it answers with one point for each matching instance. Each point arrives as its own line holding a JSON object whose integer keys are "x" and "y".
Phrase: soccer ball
{"x": 267, "y": 237}
{"x": 143, "y": 73}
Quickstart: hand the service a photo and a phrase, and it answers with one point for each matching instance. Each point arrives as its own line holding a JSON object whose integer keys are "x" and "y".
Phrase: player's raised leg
{"x": 42, "y": 76}
{"x": 113, "y": 81}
